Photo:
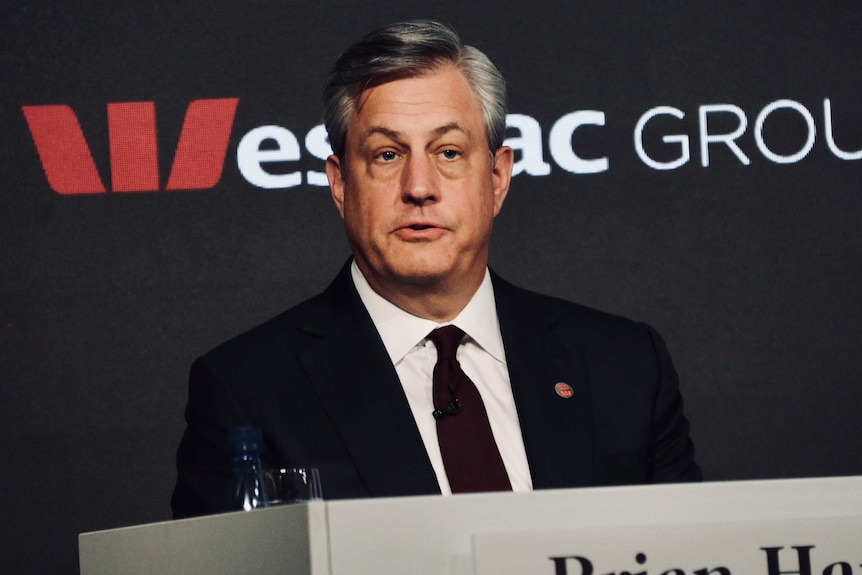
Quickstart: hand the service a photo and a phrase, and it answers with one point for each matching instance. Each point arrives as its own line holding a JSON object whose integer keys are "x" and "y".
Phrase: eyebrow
{"x": 452, "y": 126}
{"x": 396, "y": 135}
{"x": 389, "y": 133}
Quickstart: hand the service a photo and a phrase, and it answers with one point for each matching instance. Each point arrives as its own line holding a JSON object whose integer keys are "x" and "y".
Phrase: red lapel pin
{"x": 564, "y": 390}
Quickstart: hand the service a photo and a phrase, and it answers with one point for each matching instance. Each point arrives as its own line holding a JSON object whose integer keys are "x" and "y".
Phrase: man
{"x": 349, "y": 381}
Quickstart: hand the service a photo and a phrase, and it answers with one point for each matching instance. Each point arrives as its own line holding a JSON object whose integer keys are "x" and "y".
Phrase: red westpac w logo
{"x": 69, "y": 165}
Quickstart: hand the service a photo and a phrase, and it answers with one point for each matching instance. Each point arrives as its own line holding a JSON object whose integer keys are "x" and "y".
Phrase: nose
{"x": 420, "y": 180}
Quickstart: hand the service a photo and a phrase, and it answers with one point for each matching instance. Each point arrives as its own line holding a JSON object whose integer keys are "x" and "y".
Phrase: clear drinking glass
{"x": 292, "y": 485}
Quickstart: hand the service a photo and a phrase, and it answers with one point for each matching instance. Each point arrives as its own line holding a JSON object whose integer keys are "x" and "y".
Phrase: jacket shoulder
{"x": 281, "y": 330}
{"x": 557, "y": 312}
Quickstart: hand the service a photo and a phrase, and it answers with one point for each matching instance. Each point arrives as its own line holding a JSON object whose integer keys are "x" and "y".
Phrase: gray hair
{"x": 406, "y": 50}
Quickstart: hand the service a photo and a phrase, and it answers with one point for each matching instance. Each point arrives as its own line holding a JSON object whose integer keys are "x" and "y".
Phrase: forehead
{"x": 416, "y": 105}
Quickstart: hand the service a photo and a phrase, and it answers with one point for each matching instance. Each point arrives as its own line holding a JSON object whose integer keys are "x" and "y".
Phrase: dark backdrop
{"x": 750, "y": 270}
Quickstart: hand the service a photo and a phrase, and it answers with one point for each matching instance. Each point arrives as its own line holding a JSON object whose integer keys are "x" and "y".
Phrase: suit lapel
{"x": 359, "y": 387}
{"x": 558, "y": 431}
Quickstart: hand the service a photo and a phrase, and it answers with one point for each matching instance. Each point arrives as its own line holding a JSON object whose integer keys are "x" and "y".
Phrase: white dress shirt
{"x": 482, "y": 358}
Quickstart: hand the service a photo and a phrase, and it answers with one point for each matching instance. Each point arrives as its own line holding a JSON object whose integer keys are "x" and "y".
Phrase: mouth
{"x": 420, "y": 231}
{"x": 419, "y": 225}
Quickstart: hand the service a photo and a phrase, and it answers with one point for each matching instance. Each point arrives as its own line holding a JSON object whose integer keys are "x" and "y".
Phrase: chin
{"x": 421, "y": 272}
{"x": 420, "y": 277}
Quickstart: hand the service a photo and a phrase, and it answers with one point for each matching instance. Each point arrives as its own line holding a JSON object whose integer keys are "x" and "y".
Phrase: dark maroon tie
{"x": 470, "y": 454}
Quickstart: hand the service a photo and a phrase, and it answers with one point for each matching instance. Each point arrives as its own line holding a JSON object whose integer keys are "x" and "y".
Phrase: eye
{"x": 450, "y": 154}
{"x": 388, "y": 156}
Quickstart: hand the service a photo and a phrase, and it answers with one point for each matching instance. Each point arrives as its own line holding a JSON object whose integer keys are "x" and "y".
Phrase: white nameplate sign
{"x": 786, "y": 547}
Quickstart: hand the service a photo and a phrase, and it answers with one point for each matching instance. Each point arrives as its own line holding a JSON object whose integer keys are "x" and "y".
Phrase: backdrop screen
{"x": 694, "y": 165}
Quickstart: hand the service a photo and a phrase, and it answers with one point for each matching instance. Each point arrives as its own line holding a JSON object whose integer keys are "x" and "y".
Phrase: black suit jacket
{"x": 318, "y": 381}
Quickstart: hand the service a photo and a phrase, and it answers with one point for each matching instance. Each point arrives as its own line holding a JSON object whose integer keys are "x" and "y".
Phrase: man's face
{"x": 418, "y": 188}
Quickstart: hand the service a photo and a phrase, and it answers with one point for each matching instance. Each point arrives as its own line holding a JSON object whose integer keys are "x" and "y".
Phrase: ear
{"x": 501, "y": 175}
{"x": 336, "y": 182}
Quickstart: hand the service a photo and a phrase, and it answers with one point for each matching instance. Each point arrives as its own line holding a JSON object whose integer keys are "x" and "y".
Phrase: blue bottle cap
{"x": 245, "y": 440}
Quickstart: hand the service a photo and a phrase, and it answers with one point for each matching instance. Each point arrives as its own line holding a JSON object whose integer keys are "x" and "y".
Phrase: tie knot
{"x": 446, "y": 339}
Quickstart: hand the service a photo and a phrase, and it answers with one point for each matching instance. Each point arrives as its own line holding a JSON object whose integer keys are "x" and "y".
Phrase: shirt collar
{"x": 401, "y": 330}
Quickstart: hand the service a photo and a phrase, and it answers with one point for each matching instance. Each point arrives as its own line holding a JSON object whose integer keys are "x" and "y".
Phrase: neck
{"x": 439, "y": 301}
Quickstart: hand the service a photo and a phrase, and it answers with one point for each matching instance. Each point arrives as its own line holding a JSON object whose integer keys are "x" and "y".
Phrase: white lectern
{"x": 787, "y": 527}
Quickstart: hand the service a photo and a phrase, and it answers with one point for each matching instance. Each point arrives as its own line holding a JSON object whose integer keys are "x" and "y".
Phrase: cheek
{"x": 353, "y": 217}
{"x": 364, "y": 214}
{"x": 485, "y": 207}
